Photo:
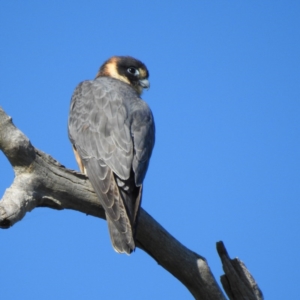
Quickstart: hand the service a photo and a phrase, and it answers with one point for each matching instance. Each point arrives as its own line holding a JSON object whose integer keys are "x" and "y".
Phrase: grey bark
{"x": 41, "y": 181}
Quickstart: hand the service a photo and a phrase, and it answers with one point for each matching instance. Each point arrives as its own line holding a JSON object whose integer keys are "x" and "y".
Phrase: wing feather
{"x": 113, "y": 132}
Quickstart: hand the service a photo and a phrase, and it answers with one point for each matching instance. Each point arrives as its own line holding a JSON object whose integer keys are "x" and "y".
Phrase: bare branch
{"x": 41, "y": 181}
{"x": 237, "y": 281}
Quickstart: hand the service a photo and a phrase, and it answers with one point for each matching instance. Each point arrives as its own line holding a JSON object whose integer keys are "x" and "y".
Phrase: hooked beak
{"x": 144, "y": 83}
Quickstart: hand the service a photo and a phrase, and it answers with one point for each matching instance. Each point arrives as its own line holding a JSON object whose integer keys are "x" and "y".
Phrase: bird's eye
{"x": 133, "y": 71}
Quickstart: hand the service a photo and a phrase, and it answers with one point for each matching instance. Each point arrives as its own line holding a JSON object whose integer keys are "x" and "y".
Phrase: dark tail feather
{"x": 121, "y": 242}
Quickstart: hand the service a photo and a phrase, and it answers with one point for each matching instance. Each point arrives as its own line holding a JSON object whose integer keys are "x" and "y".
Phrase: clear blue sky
{"x": 225, "y": 94}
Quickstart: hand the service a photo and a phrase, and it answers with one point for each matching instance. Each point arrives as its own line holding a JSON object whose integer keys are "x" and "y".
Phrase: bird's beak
{"x": 144, "y": 83}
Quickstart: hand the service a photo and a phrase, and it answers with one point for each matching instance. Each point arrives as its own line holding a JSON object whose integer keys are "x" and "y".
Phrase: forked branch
{"x": 41, "y": 181}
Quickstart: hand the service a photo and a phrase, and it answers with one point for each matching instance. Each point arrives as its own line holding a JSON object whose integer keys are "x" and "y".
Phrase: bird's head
{"x": 126, "y": 69}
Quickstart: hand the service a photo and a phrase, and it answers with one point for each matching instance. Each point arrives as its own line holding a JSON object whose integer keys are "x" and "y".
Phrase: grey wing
{"x": 99, "y": 132}
{"x": 113, "y": 132}
{"x": 101, "y": 126}
{"x": 143, "y": 132}
{"x": 98, "y": 125}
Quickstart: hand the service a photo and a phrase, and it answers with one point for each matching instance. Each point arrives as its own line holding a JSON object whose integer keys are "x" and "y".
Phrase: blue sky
{"x": 225, "y": 96}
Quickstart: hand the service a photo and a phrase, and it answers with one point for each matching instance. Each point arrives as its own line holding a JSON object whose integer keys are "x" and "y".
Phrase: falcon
{"x": 112, "y": 133}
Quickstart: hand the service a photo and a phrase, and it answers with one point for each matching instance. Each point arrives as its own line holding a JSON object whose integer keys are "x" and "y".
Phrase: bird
{"x": 112, "y": 132}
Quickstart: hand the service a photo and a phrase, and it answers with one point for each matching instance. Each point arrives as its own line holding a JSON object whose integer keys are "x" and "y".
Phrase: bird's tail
{"x": 121, "y": 242}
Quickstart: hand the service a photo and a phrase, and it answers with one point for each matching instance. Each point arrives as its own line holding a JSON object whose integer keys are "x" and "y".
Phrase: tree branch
{"x": 41, "y": 181}
{"x": 238, "y": 282}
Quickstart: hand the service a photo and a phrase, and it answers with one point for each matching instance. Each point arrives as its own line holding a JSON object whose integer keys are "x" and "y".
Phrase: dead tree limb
{"x": 237, "y": 281}
{"x": 41, "y": 181}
